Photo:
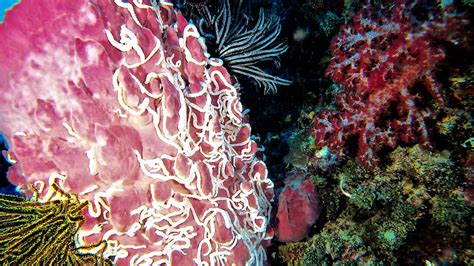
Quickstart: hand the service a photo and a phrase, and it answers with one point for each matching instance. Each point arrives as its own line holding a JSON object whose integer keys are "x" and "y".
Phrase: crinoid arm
{"x": 242, "y": 46}
{"x": 42, "y": 233}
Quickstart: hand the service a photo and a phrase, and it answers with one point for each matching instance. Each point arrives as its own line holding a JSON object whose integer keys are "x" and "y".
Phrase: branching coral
{"x": 386, "y": 62}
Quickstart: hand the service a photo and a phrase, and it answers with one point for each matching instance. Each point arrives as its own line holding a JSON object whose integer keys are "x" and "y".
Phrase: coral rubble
{"x": 386, "y": 208}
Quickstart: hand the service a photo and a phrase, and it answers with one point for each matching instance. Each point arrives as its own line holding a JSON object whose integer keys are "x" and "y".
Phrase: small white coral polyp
{"x": 117, "y": 102}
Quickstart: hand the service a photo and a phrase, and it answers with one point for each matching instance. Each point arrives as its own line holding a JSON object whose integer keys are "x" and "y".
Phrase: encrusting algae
{"x": 418, "y": 192}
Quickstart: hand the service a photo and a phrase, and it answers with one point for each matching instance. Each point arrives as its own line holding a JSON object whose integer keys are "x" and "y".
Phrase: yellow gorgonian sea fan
{"x": 42, "y": 233}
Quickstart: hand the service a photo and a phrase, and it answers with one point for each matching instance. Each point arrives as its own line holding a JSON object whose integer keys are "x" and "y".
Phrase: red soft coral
{"x": 384, "y": 62}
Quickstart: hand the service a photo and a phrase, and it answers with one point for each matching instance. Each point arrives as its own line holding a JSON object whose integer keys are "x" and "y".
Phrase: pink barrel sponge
{"x": 298, "y": 208}
{"x": 119, "y": 103}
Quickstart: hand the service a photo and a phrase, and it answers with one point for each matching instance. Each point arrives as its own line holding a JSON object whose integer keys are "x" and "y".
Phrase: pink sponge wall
{"x": 298, "y": 208}
{"x": 119, "y": 103}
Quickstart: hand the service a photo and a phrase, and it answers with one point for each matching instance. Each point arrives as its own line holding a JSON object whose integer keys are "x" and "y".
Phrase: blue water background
{"x": 5, "y": 186}
{"x": 5, "y": 5}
